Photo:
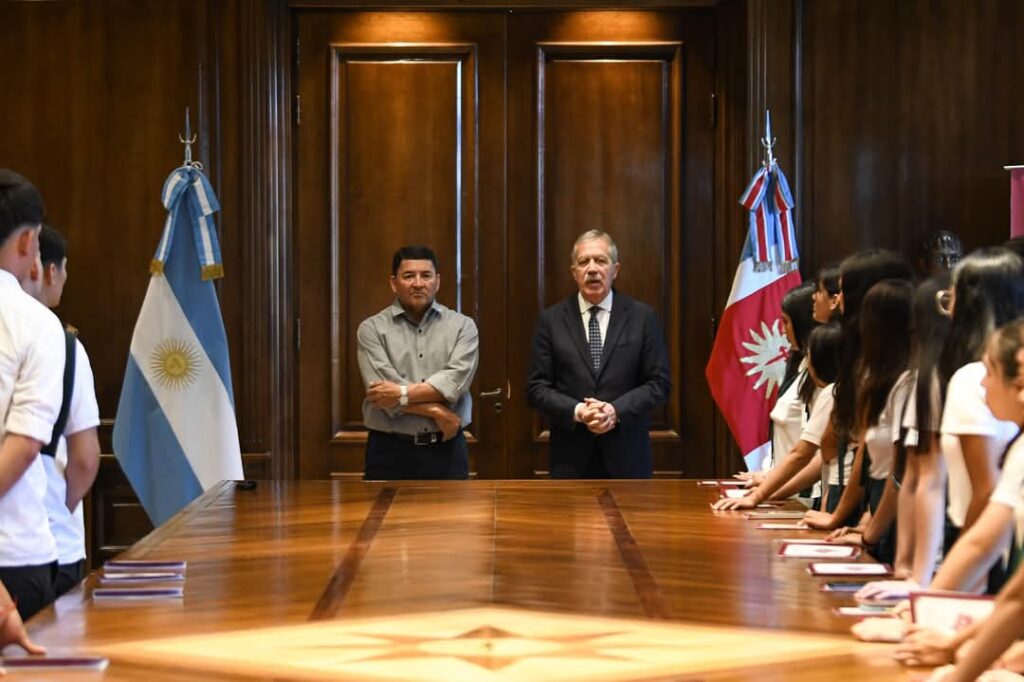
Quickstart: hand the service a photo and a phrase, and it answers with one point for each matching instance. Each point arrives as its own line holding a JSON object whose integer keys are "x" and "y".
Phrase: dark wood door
{"x": 609, "y": 128}
{"x": 400, "y": 140}
{"x": 497, "y": 138}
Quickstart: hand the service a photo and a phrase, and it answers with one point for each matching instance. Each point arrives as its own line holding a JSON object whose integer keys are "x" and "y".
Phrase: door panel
{"x": 395, "y": 147}
{"x": 603, "y": 134}
{"x": 497, "y": 138}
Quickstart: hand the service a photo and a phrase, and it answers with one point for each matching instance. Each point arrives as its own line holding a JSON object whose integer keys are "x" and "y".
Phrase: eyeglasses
{"x": 944, "y": 302}
{"x": 946, "y": 261}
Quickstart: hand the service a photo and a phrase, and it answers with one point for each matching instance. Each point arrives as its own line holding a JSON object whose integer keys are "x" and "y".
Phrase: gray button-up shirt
{"x": 441, "y": 351}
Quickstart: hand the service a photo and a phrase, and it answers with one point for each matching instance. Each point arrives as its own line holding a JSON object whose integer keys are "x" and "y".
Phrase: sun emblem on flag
{"x": 769, "y": 351}
{"x": 175, "y": 363}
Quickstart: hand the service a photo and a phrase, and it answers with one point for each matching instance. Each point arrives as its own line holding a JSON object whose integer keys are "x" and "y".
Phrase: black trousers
{"x": 69, "y": 575}
{"x": 394, "y": 459}
{"x": 30, "y": 586}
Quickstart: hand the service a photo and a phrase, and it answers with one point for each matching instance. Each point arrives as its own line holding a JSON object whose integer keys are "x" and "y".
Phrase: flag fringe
{"x": 215, "y": 271}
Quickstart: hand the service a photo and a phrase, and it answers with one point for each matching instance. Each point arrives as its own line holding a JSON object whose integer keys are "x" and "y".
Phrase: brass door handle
{"x": 496, "y": 393}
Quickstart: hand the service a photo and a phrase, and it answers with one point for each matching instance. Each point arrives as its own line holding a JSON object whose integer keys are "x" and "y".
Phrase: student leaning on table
{"x": 822, "y": 358}
{"x": 983, "y": 543}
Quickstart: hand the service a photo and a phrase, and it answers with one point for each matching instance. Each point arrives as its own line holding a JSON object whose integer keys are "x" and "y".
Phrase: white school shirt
{"x": 881, "y": 437}
{"x": 787, "y": 420}
{"x": 31, "y": 388}
{"x": 966, "y": 413}
{"x": 1009, "y": 490}
{"x": 816, "y": 425}
{"x": 83, "y": 413}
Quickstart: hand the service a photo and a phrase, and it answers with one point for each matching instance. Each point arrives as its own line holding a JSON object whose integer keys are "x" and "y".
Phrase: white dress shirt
{"x": 31, "y": 389}
{"x": 603, "y": 311}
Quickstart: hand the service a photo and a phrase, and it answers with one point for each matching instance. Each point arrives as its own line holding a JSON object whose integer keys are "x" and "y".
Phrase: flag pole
{"x": 188, "y": 139}
{"x": 768, "y": 142}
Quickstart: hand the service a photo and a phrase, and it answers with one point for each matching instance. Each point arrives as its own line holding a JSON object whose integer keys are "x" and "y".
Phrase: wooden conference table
{"x": 479, "y": 580}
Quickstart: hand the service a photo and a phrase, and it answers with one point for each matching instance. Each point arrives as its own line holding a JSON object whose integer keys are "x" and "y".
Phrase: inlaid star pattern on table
{"x": 489, "y": 647}
{"x": 479, "y": 644}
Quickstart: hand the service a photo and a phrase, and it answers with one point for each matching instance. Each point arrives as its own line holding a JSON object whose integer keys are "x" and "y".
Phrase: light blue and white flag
{"x": 175, "y": 434}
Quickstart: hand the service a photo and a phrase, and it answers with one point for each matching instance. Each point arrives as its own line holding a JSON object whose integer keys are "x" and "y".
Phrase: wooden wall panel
{"x": 401, "y": 143}
{"x": 614, "y": 182}
{"x": 911, "y": 112}
{"x": 401, "y": 134}
{"x": 93, "y": 117}
{"x": 623, "y": 183}
{"x": 610, "y": 126}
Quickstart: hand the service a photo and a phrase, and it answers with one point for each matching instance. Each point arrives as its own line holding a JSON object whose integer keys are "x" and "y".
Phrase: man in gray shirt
{"x": 417, "y": 358}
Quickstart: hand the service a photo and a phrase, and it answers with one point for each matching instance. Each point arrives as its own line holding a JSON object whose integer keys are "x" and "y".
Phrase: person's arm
{"x": 929, "y": 511}
{"x": 447, "y": 421}
{"x": 903, "y": 562}
{"x": 655, "y": 381}
{"x": 16, "y": 455}
{"x": 849, "y": 501}
{"x": 976, "y": 550}
{"x": 995, "y": 635}
{"x": 35, "y": 402}
{"x": 12, "y": 630}
{"x": 453, "y": 381}
{"x": 83, "y": 463}
{"x": 981, "y": 456}
{"x": 883, "y": 517}
{"x": 805, "y": 478}
{"x": 793, "y": 464}
{"x": 541, "y": 392}
{"x": 374, "y": 364}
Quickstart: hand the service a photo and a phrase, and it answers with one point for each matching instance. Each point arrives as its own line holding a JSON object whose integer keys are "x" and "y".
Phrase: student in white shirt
{"x": 885, "y": 352}
{"x": 31, "y": 362}
{"x": 787, "y": 412}
{"x": 987, "y": 292}
{"x": 1002, "y": 520}
{"x": 857, "y": 274}
{"x": 72, "y": 456}
{"x": 921, "y": 508}
{"x": 822, "y": 355}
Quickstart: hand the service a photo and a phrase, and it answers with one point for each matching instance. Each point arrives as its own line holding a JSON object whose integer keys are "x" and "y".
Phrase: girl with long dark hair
{"x": 826, "y": 295}
{"x": 822, "y": 366}
{"x": 857, "y": 274}
{"x": 987, "y": 292}
{"x": 788, "y": 409}
{"x": 885, "y": 352}
{"x": 921, "y": 506}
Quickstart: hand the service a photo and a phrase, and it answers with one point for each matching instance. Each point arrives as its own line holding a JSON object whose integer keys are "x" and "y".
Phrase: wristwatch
{"x": 403, "y": 399}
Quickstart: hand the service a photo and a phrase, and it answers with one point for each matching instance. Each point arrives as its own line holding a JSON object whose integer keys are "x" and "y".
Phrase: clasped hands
{"x": 598, "y": 416}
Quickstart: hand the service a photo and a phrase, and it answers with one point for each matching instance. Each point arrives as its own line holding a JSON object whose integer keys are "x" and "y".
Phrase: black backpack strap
{"x": 70, "y": 338}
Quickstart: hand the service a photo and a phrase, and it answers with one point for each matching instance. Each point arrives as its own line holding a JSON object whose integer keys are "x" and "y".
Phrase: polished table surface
{"x": 288, "y": 553}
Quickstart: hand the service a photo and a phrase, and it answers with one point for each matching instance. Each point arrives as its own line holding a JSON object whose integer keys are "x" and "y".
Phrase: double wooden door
{"x": 496, "y": 138}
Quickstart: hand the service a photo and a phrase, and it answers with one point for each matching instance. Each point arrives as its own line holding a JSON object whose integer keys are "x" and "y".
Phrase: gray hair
{"x": 613, "y": 250}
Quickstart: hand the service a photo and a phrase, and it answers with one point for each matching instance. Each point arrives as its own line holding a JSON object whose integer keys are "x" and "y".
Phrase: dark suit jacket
{"x": 634, "y": 377}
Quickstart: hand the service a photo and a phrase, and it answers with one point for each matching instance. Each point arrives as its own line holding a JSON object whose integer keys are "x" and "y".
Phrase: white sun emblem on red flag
{"x": 769, "y": 351}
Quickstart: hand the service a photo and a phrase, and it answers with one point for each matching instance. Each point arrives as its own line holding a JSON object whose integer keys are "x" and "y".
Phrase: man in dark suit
{"x": 599, "y": 367}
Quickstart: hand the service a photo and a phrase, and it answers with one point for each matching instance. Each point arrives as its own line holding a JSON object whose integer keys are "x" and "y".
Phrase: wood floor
{"x": 469, "y": 580}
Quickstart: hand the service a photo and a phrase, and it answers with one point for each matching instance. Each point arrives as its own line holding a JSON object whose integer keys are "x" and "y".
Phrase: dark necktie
{"x": 594, "y": 338}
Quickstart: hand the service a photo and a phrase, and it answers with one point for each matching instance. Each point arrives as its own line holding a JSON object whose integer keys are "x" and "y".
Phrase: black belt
{"x": 424, "y": 438}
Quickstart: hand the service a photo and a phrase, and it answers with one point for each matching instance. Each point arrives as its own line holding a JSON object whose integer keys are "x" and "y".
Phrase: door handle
{"x": 496, "y": 393}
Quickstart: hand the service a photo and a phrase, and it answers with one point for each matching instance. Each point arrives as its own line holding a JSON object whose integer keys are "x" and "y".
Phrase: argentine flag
{"x": 175, "y": 434}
